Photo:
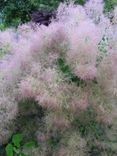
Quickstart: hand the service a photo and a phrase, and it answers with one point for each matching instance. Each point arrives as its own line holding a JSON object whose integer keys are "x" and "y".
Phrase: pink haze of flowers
{"x": 30, "y": 68}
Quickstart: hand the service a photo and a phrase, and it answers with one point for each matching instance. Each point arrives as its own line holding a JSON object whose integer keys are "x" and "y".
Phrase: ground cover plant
{"x": 58, "y": 84}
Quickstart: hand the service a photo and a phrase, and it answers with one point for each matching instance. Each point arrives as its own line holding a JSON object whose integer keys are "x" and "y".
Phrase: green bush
{"x": 109, "y": 4}
{"x": 15, "y": 12}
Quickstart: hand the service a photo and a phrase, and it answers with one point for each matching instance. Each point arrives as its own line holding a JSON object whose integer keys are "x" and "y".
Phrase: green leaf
{"x": 9, "y": 150}
{"x": 22, "y": 154}
{"x": 17, "y": 139}
{"x": 17, "y": 151}
{"x": 29, "y": 144}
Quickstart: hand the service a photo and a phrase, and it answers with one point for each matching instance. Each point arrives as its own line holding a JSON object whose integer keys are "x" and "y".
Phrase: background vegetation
{"x": 13, "y": 12}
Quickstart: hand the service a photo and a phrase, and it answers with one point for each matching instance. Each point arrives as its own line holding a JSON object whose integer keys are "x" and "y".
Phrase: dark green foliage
{"x": 30, "y": 107}
{"x": 94, "y": 131}
{"x": 27, "y": 122}
{"x": 94, "y": 151}
{"x": 15, "y": 147}
{"x": 29, "y": 118}
{"x": 65, "y": 69}
{"x": 15, "y": 12}
{"x": 2, "y": 150}
{"x": 109, "y": 4}
{"x": 54, "y": 139}
{"x": 81, "y": 2}
{"x": 87, "y": 125}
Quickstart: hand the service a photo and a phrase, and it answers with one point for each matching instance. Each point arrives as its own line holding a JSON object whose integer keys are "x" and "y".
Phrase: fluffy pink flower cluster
{"x": 31, "y": 70}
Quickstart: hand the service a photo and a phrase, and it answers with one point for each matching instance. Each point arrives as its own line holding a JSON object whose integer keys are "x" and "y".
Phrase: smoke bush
{"x": 86, "y": 40}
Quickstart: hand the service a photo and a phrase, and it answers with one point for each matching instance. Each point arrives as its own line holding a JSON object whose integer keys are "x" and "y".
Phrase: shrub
{"x": 69, "y": 70}
{"x": 16, "y": 12}
{"x": 109, "y": 5}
